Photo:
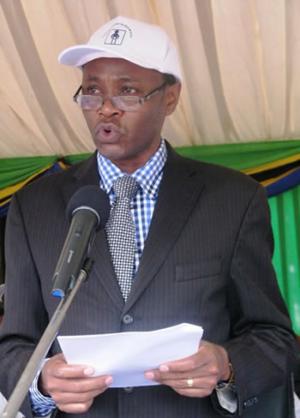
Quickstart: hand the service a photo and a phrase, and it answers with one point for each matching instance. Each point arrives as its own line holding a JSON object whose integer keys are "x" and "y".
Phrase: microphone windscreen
{"x": 93, "y": 198}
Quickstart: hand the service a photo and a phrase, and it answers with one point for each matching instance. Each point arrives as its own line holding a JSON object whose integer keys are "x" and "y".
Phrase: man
{"x": 203, "y": 253}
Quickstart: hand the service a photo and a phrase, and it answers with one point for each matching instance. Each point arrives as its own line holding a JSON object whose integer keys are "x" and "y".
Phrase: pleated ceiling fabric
{"x": 240, "y": 60}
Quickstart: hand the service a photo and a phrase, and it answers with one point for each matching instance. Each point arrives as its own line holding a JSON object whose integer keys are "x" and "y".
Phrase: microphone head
{"x": 90, "y": 198}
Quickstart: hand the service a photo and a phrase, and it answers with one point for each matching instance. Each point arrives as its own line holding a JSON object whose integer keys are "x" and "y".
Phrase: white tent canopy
{"x": 240, "y": 60}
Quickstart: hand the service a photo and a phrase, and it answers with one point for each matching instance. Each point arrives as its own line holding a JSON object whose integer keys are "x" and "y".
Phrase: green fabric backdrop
{"x": 239, "y": 156}
{"x": 285, "y": 215}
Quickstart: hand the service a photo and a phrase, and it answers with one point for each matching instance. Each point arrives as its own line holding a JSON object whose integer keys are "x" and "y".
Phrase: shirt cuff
{"x": 227, "y": 398}
{"x": 41, "y": 405}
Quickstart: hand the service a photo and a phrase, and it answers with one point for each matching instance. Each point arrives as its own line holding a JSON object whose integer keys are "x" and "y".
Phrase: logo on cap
{"x": 115, "y": 37}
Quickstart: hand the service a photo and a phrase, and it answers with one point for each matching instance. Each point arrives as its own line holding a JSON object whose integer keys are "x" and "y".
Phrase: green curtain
{"x": 242, "y": 156}
{"x": 285, "y": 217}
{"x": 15, "y": 170}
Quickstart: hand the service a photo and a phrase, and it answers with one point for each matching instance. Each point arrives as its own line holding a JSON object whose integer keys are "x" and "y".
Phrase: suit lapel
{"x": 83, "y": 175}
{"x": 104, "y": 269}
{"x": 87, "y": 174}
{"x": 180, "y": 189}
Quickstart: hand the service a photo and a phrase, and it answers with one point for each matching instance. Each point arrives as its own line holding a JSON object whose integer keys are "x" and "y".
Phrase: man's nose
{"x": 108, "y": 108}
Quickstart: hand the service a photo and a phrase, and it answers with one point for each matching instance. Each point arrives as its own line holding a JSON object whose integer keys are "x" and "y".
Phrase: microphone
{"x": 88, "y": 210}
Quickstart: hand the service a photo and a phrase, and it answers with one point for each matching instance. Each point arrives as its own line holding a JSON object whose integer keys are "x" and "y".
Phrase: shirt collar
{"x": 147, "y": 176}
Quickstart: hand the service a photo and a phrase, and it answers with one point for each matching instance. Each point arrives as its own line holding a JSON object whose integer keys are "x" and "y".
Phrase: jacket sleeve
{"x": 262, "y": 347}
{"x": 25, "y": 317}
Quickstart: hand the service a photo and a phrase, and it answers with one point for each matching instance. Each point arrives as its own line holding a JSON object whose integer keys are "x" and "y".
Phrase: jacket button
{"x": 250, "y": 402}
{"x": 127, "y": 319}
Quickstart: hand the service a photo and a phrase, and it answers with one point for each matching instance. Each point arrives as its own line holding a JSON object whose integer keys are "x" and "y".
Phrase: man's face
{"x": 127, "y": 138}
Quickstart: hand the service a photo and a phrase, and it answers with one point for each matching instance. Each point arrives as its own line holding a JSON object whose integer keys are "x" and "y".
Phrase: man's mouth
{"x": 108, "y": 132}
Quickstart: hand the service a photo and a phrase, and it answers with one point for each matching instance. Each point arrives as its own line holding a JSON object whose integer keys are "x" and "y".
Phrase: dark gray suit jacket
{"x": 207, "y": 261}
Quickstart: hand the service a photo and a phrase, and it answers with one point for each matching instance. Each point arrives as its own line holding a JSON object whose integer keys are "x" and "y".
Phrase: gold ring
{"x": 190, "y": 382}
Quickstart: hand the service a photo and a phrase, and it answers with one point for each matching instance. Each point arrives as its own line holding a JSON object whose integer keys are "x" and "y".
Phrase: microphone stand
{"x": 18, "y": 395}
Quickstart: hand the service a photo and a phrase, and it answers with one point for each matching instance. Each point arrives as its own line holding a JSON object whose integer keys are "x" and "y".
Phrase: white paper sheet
{"x": 3, "y": 403}
{"x": 297, "y": 406}
{"x": 127, "y": 355}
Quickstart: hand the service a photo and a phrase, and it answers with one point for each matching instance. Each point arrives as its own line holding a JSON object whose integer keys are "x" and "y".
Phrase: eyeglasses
{"x": 126, "y": 103}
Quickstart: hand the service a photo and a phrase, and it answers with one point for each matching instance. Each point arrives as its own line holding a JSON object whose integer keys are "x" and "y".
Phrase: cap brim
{"x": 79, "y": 55}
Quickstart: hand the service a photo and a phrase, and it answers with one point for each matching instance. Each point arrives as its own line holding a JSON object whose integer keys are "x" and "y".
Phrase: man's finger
{"x": 68, "y": 371}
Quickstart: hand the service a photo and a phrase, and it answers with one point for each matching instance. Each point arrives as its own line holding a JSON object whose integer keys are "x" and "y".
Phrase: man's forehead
{"x": 98, "y": 77}
{"x": 117, "y": 68}
{"x": 102, "y": 77}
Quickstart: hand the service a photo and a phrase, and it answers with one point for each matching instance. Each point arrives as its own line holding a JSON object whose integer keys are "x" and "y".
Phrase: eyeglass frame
{"x": 140, "y": 102}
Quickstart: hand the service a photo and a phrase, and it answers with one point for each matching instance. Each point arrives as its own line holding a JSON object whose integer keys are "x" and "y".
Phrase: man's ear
{"x": 172, "y": 94}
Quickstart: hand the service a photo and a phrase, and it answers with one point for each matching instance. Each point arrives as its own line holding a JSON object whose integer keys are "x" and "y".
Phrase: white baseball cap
{"x": 141, "y": 43}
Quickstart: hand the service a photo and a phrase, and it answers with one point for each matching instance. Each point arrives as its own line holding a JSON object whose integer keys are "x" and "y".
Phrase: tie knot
{"x": 125, "y": 186}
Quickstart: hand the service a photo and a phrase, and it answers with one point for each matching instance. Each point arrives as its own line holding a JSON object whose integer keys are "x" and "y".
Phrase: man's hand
{"x": 72, "y": 387}
{"x": 197, "y": 375}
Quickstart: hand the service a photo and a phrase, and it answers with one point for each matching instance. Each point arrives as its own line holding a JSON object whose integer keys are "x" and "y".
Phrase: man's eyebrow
{"x": 92, "y": 78}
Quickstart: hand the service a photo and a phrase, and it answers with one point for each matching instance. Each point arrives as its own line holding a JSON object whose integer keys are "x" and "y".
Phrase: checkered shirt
{"x": 149, "y": 177}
